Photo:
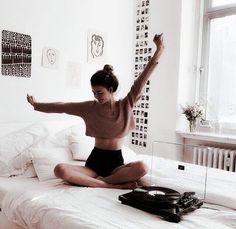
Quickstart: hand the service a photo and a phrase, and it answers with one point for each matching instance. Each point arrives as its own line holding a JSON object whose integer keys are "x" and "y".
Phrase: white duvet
{"x": 55, "y": 205}
{"x": 68, "y": 207}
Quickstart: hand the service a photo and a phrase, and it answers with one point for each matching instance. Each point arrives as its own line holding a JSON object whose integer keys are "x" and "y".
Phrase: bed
{"x": 32, "y": 197}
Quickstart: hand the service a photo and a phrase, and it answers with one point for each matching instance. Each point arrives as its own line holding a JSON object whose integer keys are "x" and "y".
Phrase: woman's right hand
{"x": 158, "y": 40}
{"x": 31, "y": 100}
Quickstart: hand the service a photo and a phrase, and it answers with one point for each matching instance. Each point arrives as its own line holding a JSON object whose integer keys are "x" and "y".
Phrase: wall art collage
{"x": 142, "y": 55}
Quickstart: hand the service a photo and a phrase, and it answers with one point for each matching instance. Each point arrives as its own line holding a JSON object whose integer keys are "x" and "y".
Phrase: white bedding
{"x": 63, "y": 206}
{"x": 8, "y": 185}
{"x": 53, "y": 204}
{"x": 11, "y": 184}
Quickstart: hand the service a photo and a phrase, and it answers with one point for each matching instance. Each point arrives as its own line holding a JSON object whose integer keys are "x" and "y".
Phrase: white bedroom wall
{"x": 165, "y": 17}
{"x": 173, "y": 81}
{"x": 63, "y": 25}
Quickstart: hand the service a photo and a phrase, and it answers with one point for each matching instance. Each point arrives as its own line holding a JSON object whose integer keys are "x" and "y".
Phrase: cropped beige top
{"x": 100, "y": 124}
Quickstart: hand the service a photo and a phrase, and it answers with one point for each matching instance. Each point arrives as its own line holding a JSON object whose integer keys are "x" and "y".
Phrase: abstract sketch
{"x": 16, "y": 54}
{"x": 96, "y": 46}
{"x": 50, "y": 58}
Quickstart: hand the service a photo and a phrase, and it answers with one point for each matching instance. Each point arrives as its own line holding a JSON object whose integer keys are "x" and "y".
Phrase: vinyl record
{"x": 155, "y": 195}
{"x": 166, "y": 191}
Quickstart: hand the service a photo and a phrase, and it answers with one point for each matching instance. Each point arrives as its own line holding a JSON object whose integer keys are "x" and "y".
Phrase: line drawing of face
{"x": 51, "y": 56}
{"x": 97, "y": 45}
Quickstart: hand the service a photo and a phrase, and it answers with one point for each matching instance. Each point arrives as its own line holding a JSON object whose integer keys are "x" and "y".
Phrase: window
{"x": 218, "y": 71}
{"x": 215, "y": 3}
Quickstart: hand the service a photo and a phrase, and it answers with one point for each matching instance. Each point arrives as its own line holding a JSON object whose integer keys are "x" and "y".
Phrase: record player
{"x": 165, "y": 202}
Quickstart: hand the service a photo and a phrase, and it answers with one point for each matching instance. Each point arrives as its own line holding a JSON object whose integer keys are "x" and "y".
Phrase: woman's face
{"x": 102, "y": 94}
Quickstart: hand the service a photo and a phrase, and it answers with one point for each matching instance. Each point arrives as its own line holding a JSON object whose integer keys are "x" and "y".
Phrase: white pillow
{"x": 21, "y": 161}
{"x": 29, "y": 172}
{"x": 49, "y": 142}
{"x": 62, "y": 125}
{"x": 4, "y": 168}
{"x": 16, "y": 142}
{"x": 26, "y": 170}
{"x": 22, "y": 165}
{"x": 55, "y": 139}
{"x": 45, "y": 160}
{"x": 81, "y": 146}
{"x": 63, "y": 135}
{"x": 129, "y": 155}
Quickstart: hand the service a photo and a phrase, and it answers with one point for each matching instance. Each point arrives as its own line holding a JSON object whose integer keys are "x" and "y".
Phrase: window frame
{"x": 209, "y": 13}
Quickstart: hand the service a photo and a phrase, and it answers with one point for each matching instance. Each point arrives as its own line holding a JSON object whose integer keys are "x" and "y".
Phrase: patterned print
{"x": 16, "y": 54}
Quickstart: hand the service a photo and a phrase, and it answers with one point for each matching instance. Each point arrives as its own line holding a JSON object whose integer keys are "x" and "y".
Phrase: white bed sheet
{"x": 11, "y": 184}
{"x": 8, "y": 185}
{"x": 20, "y": 182}
{"x": 6, "y": 224}
{"x": 53, "y": 204}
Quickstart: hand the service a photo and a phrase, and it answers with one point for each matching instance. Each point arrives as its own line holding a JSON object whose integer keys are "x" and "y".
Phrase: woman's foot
{"x": 103, "y": 184}
{"x": 128, "y": 185}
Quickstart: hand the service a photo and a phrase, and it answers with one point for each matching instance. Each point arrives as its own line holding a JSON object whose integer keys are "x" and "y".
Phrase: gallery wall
{"x": 173, "y": 81}
{"x": 164, "y": 80}
{"x": 64, "y": 26}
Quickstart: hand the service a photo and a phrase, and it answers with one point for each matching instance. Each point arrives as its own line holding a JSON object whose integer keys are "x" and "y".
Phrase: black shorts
{"x": 103, "y": 162}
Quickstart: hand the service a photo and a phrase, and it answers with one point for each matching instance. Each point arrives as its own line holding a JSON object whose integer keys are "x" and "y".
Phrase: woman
{"x": 108, "y": 121}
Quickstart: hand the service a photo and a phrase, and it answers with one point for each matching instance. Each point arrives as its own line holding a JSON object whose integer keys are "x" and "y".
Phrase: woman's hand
{"x": 158, "y": 40}
{"x": 31, "y": 100}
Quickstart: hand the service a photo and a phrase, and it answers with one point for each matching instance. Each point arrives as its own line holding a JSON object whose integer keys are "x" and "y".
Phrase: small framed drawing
{"x": 50, "y": 58}
{"x": 97, "y": 46}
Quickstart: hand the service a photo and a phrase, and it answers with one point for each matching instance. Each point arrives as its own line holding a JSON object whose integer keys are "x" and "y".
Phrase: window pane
{"x": 221, "y": 94}
{"x": 222, "y": 2}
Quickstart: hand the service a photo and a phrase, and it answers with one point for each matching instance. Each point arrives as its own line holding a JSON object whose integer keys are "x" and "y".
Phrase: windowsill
{"x": 207, "y": 136}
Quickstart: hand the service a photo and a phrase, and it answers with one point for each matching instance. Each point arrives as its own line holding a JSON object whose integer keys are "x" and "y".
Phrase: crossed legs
{"x": 123, "y": 177}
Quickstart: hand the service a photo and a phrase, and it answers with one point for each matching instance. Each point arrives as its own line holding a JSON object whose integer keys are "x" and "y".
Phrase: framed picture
{"x": 97, "y": 46}
{"x": 16, "y": 54}
{"x": 50, "y": 57}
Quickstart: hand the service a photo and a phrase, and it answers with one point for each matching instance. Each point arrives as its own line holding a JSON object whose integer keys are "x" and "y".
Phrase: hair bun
{"x": 108, "y": 68}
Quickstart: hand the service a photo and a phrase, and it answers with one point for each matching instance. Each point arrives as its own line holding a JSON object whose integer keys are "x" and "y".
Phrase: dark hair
{"x": 105, "y": 78}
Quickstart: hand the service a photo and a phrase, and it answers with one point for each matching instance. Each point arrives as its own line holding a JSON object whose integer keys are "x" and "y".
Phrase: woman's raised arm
{"x": 144, "y": 76}
{"x": 136, "y": 90}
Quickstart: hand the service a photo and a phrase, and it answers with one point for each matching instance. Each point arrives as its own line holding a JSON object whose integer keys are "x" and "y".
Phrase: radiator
{"x": 214, "y": 157}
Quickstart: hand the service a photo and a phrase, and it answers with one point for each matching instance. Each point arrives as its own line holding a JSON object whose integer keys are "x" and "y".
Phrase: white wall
{"x": 165, "y": 17}
{"x": 173, "y": 81}
{"x": 63, "y": 25}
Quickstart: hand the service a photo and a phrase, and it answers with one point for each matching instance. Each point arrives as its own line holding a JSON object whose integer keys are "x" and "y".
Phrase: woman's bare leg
{"x": 84, "y": 176}
{"x": 127, "y": 173}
